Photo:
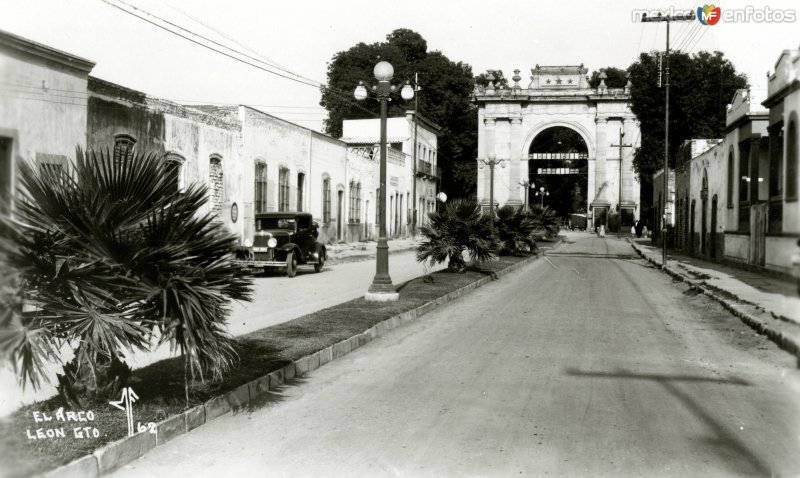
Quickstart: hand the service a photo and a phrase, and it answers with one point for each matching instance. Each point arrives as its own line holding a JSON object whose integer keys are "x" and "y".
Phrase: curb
{"x": 121, "y": 452}
{"x": 751, "y": 314}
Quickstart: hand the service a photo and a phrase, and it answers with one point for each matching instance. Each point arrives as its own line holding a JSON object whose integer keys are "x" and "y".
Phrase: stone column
{"x": 601, "y": 147}
{"x": 629, "y": 127}
{"x": 516, "y": 158}
{"x": 490, "y": 151}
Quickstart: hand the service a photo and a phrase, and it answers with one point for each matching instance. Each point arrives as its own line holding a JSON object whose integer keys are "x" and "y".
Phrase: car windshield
{"x": 268, "y": 223}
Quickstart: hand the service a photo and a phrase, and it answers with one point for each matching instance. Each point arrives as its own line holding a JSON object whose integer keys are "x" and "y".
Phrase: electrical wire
{"x": 300, "y": 80}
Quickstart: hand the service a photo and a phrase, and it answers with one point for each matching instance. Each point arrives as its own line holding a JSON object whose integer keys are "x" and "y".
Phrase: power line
{"x": 301, "y": 80}
{"x": 210, "y": 40}
{"x": 229, "y": 38}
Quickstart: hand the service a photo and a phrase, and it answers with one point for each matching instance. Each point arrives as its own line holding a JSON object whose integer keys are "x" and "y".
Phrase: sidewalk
{"x": 355, "y": 251}
{"x": 766, "y": 303}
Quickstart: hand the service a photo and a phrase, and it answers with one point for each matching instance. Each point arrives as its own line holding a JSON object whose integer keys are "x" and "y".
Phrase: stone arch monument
{"x": 510, "y": 118}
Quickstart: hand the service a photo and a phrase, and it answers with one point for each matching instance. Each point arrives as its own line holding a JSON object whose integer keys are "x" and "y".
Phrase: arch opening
{"x": 558, "y": 172}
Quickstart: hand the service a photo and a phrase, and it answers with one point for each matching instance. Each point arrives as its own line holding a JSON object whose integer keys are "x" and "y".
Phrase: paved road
{"x": 589, "y": 363}
{"x": 276, "y": 299}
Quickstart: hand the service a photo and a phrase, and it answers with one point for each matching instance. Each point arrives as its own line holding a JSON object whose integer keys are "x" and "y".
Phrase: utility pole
{"x": 619, "y": 198}
{"x": 668, "y": 19}
{"x": 414, "y": 161}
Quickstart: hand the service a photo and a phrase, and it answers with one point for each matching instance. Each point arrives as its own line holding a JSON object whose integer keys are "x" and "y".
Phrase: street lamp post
{"x": 492, "y": 162}
{"x": 528, "y": 186}
{"x": 542, "y": 192}
{"x": 382, "y": 289}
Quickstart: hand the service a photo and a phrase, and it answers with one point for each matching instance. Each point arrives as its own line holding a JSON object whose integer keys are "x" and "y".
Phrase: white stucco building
{"x": 42, "y": 106}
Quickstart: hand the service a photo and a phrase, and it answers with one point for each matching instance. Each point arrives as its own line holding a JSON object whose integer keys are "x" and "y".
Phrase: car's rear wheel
{"x": 291, "y": 264}
{"x": 320, "y": 263}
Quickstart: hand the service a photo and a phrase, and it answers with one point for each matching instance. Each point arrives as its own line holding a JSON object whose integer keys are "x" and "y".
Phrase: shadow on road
{"x": 589, "y": 255}
{"x": 725, "y": 443}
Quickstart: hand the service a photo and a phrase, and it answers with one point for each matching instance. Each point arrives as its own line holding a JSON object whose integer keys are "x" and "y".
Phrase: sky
{"x": 302, "y": 36}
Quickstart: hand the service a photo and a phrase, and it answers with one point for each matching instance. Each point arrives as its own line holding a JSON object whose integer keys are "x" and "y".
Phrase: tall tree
{"x": 701, "y": 85}
{"x": 444, "y": 98}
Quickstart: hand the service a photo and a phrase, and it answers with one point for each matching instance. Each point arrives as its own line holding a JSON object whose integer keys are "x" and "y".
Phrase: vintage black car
{"x": 283, "y": 240}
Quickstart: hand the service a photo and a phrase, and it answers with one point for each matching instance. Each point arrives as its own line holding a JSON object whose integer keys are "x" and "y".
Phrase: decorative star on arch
{"x": 548, "y": 81}
{"x": 558, "y": 81}
{"x": 569, "y": 81}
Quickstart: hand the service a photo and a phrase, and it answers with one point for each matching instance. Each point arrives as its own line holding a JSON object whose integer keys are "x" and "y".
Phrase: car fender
{"x": 292, "y": 247}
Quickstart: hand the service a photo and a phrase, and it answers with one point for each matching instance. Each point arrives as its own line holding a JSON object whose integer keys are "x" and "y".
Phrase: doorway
{"x": 6, "y": 173}
{"x": 339, "y": 211}
{"x": 712, "y": 246}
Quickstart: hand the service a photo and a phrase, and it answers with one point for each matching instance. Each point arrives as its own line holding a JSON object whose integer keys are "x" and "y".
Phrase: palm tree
{"x": 545, "y": 220}
{"x": 516, "y": 230}
{"x": 459, "y": 227}
{"x": 104, "y": 259}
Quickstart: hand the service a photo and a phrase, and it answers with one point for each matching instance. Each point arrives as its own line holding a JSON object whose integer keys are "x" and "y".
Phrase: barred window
{"x": 260, "y": 189}
{"x": 326, "y": 200}
{"x": 123, "y": 146}
{"x": 52, "y": 165}
{"x": 355, "y": 202}
{"x": 175, "y": 171}
{"x": 216, "y": 184}
{"x": 283, "y": 190}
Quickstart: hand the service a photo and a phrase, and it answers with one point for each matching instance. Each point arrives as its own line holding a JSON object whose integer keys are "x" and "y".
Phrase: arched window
{"x": 175, "y": 171}
{"x": 260, "y": 189}
{"x": 283, "y": 189}
{"x": 216, "y": 184}
{"x": 123, "y": 146}
{"x": 326, "y": 199}
{"x": 791, "y": 159}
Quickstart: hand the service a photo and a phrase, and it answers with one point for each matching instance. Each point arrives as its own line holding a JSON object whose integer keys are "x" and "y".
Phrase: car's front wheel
{"x": 291, "y": 264}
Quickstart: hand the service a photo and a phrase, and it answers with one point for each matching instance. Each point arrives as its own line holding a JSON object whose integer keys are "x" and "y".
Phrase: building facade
{"x": 253, "y": 162}
{"x": 42, "y": 107}
{"x": 510, "y": 119}
{"x": 783, "y": 217}
{"x": 663, "y": 205}
{"x": 412, "y": 173}
{"x": 698, "y": 228}
{"x": 737, "y": 197}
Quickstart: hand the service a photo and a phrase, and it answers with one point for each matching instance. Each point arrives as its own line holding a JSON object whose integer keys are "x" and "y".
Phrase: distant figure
{"x": 639, "y": 227}
{"x": 645, "y": 232}
{"x": 602, "y": 230}
{"x": 633, "y": 230}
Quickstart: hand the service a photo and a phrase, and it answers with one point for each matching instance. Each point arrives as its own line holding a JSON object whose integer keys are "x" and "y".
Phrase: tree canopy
{"x": 616, "y": 77}
{"x": 701, "y": 85}
{"x": 444, "y": 98}
{"x": 497, "y": 77}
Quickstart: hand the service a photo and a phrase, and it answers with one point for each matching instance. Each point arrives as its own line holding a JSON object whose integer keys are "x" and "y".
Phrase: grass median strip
{"x": 27, "y": 449}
